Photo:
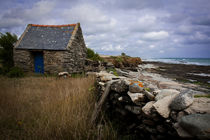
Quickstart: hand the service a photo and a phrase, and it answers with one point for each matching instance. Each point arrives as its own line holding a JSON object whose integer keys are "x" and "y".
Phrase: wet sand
{"x": 183, "y": 73}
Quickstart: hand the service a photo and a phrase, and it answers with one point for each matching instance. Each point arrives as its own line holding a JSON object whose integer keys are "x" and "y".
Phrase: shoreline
{"x": 185, "y": 73}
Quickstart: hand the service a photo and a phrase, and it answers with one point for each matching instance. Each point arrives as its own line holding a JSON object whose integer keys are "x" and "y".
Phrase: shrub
{"x": 93, "y": 56}
{"x": 113, "y": 70}
{"x": 90, "y": 53}
{"x": 15, "y": 72}
{"x": 6, "y": 53}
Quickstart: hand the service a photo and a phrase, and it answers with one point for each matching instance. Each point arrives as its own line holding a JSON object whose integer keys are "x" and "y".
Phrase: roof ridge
{"x": 64, "y": 25}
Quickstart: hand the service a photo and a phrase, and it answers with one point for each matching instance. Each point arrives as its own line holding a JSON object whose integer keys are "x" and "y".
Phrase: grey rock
{"x": 149, "y": 95}
{"x": 181, "y": 132}
{"x": 134, "y": 109}
{"x": 173, "y": 115}
{"x": 162, "y": 106}
{"x": 135, "y": 88}
{"x": 122, "y": 73}
{"x": 148, "y": 122}
{"x": 182, "y": 101}
{"x": 136, "y": 97}
{"x": 119, "y": 86}
{"x": 180, "y": 115}
{"x": 160, "y": 129}
{"x": 200, "y": 105}
{"x": 197, "y": 125}
{"x": 169, "y": 85}
{"x": 165, "y": 92}
{"x": 147, "y": 109}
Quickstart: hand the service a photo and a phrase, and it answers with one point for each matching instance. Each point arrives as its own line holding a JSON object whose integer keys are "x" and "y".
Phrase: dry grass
{"x": 46, "y": 108}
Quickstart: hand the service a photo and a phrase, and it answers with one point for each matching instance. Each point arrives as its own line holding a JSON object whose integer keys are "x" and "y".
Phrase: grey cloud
{"x": 147, "y": 28}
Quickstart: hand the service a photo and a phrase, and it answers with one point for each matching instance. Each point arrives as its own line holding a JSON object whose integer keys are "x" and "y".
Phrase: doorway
{"x": 38, "y": 62}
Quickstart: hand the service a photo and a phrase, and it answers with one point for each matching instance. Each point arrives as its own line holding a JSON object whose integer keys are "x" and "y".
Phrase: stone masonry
{"x": 71, "y": 60}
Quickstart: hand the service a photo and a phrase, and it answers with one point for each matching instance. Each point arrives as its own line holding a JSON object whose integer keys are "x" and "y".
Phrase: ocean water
{"x": 194, "y": 61}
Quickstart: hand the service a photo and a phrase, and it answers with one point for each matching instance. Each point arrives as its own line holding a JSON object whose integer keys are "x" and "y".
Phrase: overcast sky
{"x": 144, "y": 28}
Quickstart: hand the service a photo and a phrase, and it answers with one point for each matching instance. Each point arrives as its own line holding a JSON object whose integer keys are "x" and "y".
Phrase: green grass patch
{"x": 147, "y": 89}
{"x": 199, "y": 96}
{"x": 113, "y": 70}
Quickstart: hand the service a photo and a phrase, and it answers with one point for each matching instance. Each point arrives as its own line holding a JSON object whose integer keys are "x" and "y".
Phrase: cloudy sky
{"x": 144, "y": 28}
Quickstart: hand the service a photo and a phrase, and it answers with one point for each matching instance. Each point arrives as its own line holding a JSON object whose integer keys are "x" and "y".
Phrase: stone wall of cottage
{"x": 23, "y": 59}
{"x": 77, "y": 51}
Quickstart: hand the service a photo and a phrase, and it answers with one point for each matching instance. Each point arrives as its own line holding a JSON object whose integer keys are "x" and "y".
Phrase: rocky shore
{"x": 149, "y": 105}
{"x": 196, "y": 74}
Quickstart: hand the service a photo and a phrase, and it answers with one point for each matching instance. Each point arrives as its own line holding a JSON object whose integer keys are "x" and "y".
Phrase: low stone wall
{"x": 158, "y": 114}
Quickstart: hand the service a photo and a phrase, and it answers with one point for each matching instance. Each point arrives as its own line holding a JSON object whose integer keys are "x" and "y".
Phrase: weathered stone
{"x": 200, "y": 105}
{"x": 120, "y": 98}
{"x": 135, "y": 88}
{"x": 91, "y": 73}
{"x": 149, "y": 95}
{"x": 106, "y": 78}
{"x": 148, "y": 122}
{"x": 162, "y": 105}
{"x": 101, "y": 83}
{"x": 197, "y": 125}
{"x": 147, "y": 109}
{"x": 180, "y": 115}
{"x": 165, "y": 92}
{"x": 103, "y": 73}
{"x": 122, "y": 73}
{"x": 133, "y": 109}
{"x": 155, "y": 92}
{"x": 151, "y": 130}
{"x": 173, "y": 115}
{"x": 64, "y": 74}
{"x": 119, "y": 86}
{"x": 169, "y": 85}
{"x": 121, "y": 111}
{"x": 182, "y": 101}
{"x": 136, "y": 97}
{"x": 181, "y": 132}
{"x": 160, "y": 129}
{"x": 127, "y": 81}
{"x": 125, "y": 99}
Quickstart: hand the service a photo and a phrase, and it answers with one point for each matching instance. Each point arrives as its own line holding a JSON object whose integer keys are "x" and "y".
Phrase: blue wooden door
{"x": 38, "y": 62}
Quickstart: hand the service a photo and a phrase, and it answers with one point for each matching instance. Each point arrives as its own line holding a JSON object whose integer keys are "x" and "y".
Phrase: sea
{"x": 189, "y": 61}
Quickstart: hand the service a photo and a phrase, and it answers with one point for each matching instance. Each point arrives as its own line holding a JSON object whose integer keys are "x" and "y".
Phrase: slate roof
{"x": 46, "y": 37}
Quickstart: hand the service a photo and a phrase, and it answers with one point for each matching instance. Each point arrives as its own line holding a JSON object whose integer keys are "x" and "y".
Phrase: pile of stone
{"x": 158, "y": 114}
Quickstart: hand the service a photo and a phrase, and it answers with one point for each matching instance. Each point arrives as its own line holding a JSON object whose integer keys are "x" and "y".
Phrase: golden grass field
{"x": 48, "y": 108}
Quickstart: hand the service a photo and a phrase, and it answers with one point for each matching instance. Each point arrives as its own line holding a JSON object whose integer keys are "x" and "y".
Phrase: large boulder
{"x": 162, "y": 105}
{"x": 182, "y": 101}
{"x": 197, "y": 125}
{"x": 136, "y": 97}
{"x": 199, "y": 105}
{"x": 181, "y": 132}
{"x": 147, "y": 109}
{"x": 119, "y": 86}
{"x": 165, "y": 92}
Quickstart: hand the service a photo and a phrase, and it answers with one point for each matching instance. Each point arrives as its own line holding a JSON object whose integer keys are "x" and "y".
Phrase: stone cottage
{"x": 51, "y": 49}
